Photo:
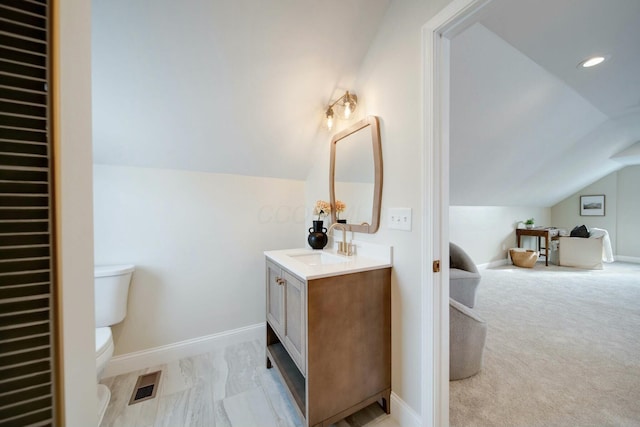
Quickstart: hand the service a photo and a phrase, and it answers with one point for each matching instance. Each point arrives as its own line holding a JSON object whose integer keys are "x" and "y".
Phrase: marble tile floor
{"x": 229, "y": 387}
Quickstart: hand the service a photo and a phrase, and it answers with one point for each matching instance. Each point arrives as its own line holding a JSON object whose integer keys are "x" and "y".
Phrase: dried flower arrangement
{"x": 322, "y": 208}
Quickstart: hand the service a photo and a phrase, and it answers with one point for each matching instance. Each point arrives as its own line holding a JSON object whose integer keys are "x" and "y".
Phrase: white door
{"x": 435, "y": 288}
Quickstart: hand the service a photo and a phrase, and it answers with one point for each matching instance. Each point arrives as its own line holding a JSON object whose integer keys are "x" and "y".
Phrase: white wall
{"x": 389, "y": 86}
{"x": 487, "y": 232}
{"x": 197, "y": 240}
{"x": 622, "y": 202}
{"x": 566, "y": 214}
{"x": 74, "y": 237}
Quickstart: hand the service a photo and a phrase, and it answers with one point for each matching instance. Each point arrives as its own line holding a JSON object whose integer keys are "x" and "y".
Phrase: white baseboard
{"x": 624, "y": 258}
{"x": 493, "y": 264}
{"x": 156, "y": 356}
{"x": 402, "y": 413}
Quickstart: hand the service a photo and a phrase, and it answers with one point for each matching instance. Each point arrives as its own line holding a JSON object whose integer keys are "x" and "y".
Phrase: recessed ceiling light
{"x": 592, "y": 62}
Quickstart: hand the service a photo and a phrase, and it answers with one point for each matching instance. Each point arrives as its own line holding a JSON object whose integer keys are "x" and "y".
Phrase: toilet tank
{"x": 111, "y": 283}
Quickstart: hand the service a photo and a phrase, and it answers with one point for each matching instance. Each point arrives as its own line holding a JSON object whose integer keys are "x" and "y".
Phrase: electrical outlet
{"x": 400, "y": 218}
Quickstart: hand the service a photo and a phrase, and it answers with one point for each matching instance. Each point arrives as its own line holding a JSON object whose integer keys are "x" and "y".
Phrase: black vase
{"x": 317, "y": 235}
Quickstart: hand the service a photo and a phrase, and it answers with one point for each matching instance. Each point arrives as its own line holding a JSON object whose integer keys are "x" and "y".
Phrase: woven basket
{"x": 523, "y": 257}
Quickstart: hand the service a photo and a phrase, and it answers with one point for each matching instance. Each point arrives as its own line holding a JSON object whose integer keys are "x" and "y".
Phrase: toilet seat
{"x": 104, "y": 347}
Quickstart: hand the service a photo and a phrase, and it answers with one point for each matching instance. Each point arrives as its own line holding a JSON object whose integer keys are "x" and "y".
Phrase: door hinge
{"x": 436, "y": 266}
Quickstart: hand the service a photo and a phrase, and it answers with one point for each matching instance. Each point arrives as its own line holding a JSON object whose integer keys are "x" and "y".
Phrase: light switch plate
{"x": 400, "y": 218}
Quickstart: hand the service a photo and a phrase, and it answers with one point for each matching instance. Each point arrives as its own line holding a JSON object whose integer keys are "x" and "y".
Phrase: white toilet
{"x": 111, "y": 284}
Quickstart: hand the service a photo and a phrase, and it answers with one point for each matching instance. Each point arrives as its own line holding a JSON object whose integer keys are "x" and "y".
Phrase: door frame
{"x": 435, "y": 221}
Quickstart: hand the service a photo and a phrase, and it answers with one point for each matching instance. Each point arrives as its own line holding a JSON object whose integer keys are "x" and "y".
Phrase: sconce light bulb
{"x": 329, "y": 116}
{"x": 347, "y": 110}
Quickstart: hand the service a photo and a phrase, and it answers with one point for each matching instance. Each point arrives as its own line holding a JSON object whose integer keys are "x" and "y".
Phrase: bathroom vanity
{"x": 329, "y": 330}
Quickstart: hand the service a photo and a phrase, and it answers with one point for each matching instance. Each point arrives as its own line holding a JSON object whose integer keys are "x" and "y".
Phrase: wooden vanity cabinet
{"x": 330, "y": 340}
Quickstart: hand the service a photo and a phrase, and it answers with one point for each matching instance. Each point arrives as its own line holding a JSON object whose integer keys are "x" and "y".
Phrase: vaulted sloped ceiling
{"x": 528, "y": 127}
{"x": 223, "y": 86}
{"x": 240, "y": 87}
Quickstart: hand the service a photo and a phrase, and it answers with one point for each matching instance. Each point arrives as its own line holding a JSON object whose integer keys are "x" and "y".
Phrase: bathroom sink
{"x": 308, "y": 264}
{"x": 322, "y": 258}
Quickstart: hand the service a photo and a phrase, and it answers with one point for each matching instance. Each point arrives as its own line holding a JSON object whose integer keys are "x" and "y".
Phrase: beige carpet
{"x": 563, "y": 349}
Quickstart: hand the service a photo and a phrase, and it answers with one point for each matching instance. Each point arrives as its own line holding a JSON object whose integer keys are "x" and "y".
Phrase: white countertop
{"x": 380, "y": 257}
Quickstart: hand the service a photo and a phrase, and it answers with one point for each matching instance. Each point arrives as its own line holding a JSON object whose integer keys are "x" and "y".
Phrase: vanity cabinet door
{"x": 295, "y": 320}
{"x": 275, "y": 298}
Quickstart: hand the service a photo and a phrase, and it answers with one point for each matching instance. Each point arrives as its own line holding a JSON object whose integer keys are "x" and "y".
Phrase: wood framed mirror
{"x": 355, "y": 176}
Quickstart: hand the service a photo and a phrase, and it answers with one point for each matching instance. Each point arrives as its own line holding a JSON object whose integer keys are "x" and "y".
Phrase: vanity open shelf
{"x": 278, "y": 358}
{"x": 329, "y": 334}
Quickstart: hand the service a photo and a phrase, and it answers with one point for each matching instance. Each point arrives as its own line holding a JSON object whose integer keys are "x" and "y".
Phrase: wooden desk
{"x": 538, "y": 232}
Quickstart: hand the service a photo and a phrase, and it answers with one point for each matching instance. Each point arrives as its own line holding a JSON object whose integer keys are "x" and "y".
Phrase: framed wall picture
{"x": 592, "y": 205}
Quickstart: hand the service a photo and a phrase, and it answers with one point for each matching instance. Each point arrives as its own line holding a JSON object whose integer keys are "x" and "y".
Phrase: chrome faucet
{"x": 344, "y": 248}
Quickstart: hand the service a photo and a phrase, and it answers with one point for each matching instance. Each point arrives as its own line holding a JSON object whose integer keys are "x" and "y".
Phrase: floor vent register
{"x": 145, "y": 388}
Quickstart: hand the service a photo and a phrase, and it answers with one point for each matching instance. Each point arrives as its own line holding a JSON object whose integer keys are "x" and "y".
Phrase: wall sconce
{"x": 345, "y": 105}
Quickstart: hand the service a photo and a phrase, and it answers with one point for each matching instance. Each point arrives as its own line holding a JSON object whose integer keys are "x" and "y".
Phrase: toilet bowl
{"x": 104, "y": 351}
{"x": 111, "y": 285}
{"x": 104, "y": 348}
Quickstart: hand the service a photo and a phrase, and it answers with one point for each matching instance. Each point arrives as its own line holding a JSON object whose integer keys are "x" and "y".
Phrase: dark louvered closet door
{"x": 26, "y": 277}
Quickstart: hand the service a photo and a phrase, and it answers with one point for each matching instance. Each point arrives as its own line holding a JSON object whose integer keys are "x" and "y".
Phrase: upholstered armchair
{"x": 586, "y": 252}
{"x": 467, "y": 335}
{"x": 580, "y": 252}
{"x": 464, "y": 277}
